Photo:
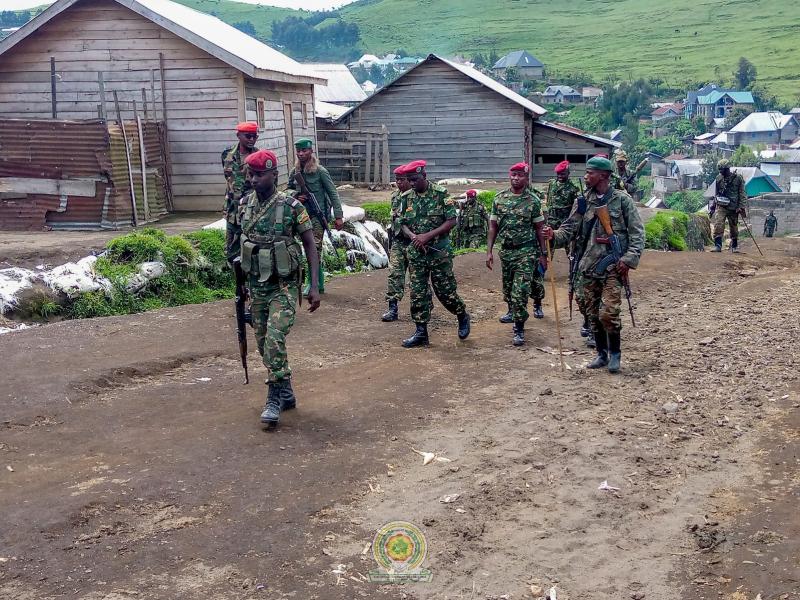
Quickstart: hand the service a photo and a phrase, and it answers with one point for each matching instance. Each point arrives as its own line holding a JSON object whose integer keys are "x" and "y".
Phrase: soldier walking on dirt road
{"x": 730, "y": 199}
{"x": 237, "y": 184}
{"x": 471, "y": 222}
{"x": 770, "y": 224}
{"x": 398, "y": 255}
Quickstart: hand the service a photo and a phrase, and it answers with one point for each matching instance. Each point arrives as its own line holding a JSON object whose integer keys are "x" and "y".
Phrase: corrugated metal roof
{"x": 738, "y": 97}
{"x": 565, "y": 90}
{"x": 209, "y": 33}
{"x": 580, "y": 133}
{"x": 518, "y": 58}
{"x": 762, "y": 121}
{"x": 341, "y": 87}
{"x": 780, "y": 156}
{"x": 326, "y": 110}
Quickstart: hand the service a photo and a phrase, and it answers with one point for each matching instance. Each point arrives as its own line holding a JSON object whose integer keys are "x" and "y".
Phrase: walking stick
{"x": 555, "y": 304}
{"x": 752, "y": 237}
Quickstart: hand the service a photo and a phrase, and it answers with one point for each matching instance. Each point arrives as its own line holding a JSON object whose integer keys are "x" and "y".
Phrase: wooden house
{"x": 187, "y": 69}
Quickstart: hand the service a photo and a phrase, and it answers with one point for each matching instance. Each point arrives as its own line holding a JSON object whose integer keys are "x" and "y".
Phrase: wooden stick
{"x": 102, "y": 86}
{"x": 144, "y": 103}
{"x": 143, "y": 158}
{"x": 555, "y": 303}
{"x": 153, "y": 93}
{"x": 53, "y": 101}
{"x": 128, "y": 159}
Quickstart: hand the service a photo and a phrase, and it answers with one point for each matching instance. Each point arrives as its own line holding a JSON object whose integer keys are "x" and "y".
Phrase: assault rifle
{"x": 311, "y": 204}
{"x": 630, "y": 178}
{"x": 574, "y": 258}
{"x": 616, "y": 253}
{"x": 242, "y": 316}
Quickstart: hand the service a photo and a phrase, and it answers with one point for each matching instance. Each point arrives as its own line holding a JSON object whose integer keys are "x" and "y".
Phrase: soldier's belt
{"x": 512, "y": 246}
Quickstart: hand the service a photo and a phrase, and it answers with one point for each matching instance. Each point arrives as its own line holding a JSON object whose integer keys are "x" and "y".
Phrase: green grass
{"x": 667, "y": 231}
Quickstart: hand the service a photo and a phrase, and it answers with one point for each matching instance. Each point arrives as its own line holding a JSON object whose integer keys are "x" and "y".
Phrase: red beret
{"x": 520, "y": 166}
{"x": 602, "y": 155}
{"x": 562, "y": 166}
{"x": 247, "y": 127}
{"x": 471, "y": 193}
{"x": 400, "y": 170}
{"x": 415, "y": 166}
{"x": 263, "y": 160}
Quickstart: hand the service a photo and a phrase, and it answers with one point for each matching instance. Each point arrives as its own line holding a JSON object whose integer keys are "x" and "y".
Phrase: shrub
{"x": 667, "y": 231}
{"x": 687, "y": 201}
{"x": 486, "y": 197}
{"x": 381, "y": 212}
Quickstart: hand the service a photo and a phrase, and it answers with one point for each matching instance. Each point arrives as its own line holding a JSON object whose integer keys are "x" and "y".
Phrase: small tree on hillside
{"x": 512, "y": 74}
{"x": 744, "y": 156}
{"x": 736, "y": 114}
{"x": 479, "y": 60}
{"x": 246, "y": 27}
{"x": 493, "y": 58}
{"x": 745, "y": 73}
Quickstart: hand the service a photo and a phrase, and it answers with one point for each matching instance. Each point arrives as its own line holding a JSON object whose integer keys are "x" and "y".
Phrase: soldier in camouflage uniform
{"x": 603, "y": 291}
{"x": 517, "y": 221}
{"x": 319, "y": 183}
{"x": 730, "y": 201}
{"x": 770, "y": 224}
{"x": 237, "y": 183}
{"x": 471, "y": 222}
{"x": 398, "y": 257}
{"x": 270, "y": 224}
{"x": 428, "y": 216}
{"x": 620, "y": 177}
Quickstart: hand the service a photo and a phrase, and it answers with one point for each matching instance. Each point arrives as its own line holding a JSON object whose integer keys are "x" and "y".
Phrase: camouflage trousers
{"x": 723, "y": 215}
{"x": 273, "y": 311}
{"x": 319, "y": 232}
{"x": 398, "y": 265}
{"x": 578, "y": 291}
{"x": 521, "y": 280}
{"x": 471, "y": 238}
{"x": 432, "y": 269}
{"x": 232, "y": 231}
{"x": 602, "y": 299}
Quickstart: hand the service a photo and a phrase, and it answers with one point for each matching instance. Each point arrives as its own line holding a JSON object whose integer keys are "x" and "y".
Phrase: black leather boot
{"x": 420, "y": 337}
{"x": 508, "y": 317}
{"x": 601, "y": 360}
{"x": 538, "y": 313}
{"x": 463, "y": 326}
{"x": 286, "y": 395}
{"x": 519, "y": 333}
{"x": 614, "y": 352}
{"x": 590, "y": 343}
{"x": 391, "y": 314}
{"x": 717, "y": 244}
{"x": 272, "y": 409}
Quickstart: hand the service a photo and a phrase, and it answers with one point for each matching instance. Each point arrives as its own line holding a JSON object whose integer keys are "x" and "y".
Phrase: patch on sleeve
{"x": 302, "y": 216}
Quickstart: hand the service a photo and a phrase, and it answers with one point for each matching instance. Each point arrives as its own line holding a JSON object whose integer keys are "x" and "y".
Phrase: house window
{"x": 250, "y": 109}
{"x": 305, "y": 115}
{"x": 549, "y": 159}
{"x": 261, "y": 113}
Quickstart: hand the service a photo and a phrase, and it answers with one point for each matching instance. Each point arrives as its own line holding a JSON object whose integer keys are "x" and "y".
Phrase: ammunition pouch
{"x": 287, "y": 259}
{"x": 722, "y": 200}
{"x": 265, "y": 264}
{"x": 248, "y": 249}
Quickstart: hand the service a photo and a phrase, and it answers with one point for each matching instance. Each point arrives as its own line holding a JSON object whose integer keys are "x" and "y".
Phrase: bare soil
{"x": 133, "y": 465}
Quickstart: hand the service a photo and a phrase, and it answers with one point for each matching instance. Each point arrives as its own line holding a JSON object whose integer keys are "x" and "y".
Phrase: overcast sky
{"x": 307, "y": 4}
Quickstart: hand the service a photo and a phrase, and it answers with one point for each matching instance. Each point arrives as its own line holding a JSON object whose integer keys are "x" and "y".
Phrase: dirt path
{"x": 140, "y": 471}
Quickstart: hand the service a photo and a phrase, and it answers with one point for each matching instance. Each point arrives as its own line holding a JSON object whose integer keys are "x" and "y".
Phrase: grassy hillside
{"x": 685, "y": 40}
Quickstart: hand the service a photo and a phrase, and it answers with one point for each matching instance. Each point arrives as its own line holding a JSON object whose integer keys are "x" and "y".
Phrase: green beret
{"x": 303, "y": 143}
{"x": 598, "y": 163}
{"x": 723, "y": 163}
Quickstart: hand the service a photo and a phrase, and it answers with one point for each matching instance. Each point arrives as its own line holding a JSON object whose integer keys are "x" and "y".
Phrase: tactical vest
{"x": 265, "y": 256}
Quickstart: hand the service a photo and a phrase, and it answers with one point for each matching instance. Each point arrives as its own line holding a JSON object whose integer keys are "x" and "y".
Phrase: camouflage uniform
{"x": 320, "y": 184}
{"x": 618, "y": 183}
{"x": 267, "y": 225}
{"x": 422, "y": 213}
{"x": 602, "y": 293}
{"x": 560, "y": 198}
{"x": 770, "y": 225}
{"x": 516, "y": 215}
{"x": 731, "y": 187}
{"x": 471, "y": 231}
{"x": 237, "y": 186}
{"x": 398, "y": 259}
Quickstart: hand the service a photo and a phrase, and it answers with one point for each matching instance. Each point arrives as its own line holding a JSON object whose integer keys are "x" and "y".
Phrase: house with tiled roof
{"x": 527, "y": 65}
{"x": 667, "y": 111}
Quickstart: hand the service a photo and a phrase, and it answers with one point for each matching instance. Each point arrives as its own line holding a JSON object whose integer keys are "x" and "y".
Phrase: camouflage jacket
{"x": 396, "y": 208}
{"x": 516, "y": 215}
{"x": 625, "y": 221}
{"x": 425, "y": 212}
{"x": 732, "y": 187}
{"x": 321, "y": 185}
{"x": 618, "y": 183}
{"x": 472, "y": 217}
{"x": 237, "y": 184}
{"x": 560, "y": 198}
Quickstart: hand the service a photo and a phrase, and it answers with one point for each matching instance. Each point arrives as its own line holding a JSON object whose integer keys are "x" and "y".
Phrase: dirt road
{"x": 132, "y": 464}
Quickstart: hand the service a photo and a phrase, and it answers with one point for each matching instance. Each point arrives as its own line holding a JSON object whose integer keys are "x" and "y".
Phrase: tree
{"x": 479, "y": 60}
{"x": 630, "y": 132}
{"x": 376, "y": 75}
{"x": 736, "y": 114}
{"x": 744, "y": 156}
{"x": 246, "y": 27}
{"x": 710, "y": 171}
{"x": 627, "y": 98}
{"x": 745, "y": 73}
{"x": 512, "y": 74}
{"x": 493, "y": 58}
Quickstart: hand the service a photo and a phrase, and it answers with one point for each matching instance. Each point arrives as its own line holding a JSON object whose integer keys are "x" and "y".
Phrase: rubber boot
{"x": 519, "y": 333}
{"x": 508, "y": 317}
{"x": 463, "y": 326}
{"x": 590, "y": 343}
{"x": 601, "y": 360}
{"x": 717, "y": 244}
{"x": 272, "y": 409}
{"x": 614, "y": 352}
{"x": 391, "y": 314}
{"x": 735, "y": 245}
{"x": 286, "y": 395}
{"x": 538, "y": 313}
{"x": 420, "y": 337}
{"x": 586, "y": 331}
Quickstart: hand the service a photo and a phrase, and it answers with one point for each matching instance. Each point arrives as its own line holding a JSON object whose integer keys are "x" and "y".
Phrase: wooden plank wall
{"x": 550, "y": 147}
{"x": 273, "y": 136}
{"x": 438, "y": 114}
{"x": 101, "y": 36}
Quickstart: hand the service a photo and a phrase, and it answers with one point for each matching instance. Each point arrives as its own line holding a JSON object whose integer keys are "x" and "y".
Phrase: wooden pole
{"x": 167, "y": 157}
{"x": 144, "y": 103}
{"x": 143, "y": 157}
{"x": 163, "y": 86}
{"x": 153, "y": 92}
{"x": 385, "y": 156}
{"x": 102, "y": 87}
{"x": 368, "y": 159}
{"x": 134, "y": 216}
{"x": 135, "y": 112}
{"x": 53, "y": 100}
{"x": 555, "y": 304}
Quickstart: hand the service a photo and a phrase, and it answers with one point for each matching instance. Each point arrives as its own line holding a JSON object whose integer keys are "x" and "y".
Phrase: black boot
{"x": 717, "y": 244}
{"x": 590, "y": 343}
{"x": 538, "y": 313}
{"x": 286, "y": 395}
{"x": 420, "y": 337}
{"x": 272, "y": 409}
{"x": 391, "y": 314}
{"x": 734, "y": 245}
{"x": 463, "y": 326}
{"x": 508, "y": 317}
{"x": 519, "y": 333}
{"x": 601, "y": 360}
{"x": 586, "y": 331}
{"x": 614, "y": 352}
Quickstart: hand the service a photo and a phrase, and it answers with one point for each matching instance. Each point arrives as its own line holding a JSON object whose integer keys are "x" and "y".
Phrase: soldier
{"x": 728, "y": 203}
{"x": 398, "y": 259}
{"x": 320, "y": 184}
{"x": 603, "y": 291}
{"x": 621, "y": 177}
{"x": 517, "y": 221}
{"x": 428, "y": 216}
{"x": 270, "y": 222}
{"x": 770, "y": 224}
{"x": 471, "y": 222}
{"x": 237, "y": 183}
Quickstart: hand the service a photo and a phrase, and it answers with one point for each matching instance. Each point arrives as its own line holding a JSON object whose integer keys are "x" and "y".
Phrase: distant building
{"x": 667, "y": 111}
{"x": 342, "y": 88}
{"x": 561, "y": 94}
{"x": 527, "y": 65}
{"x": 712, "y": 102}
{"x": 756, "y": 182}
{"x": 771, "y": 128}
{"x": 782, "y": 165}
{"x": 591, "y": 94}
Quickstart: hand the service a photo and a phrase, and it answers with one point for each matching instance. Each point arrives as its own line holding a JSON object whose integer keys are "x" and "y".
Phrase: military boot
{"x": 538, "y": 313}
{"x": 508, "y": 317}
{"x": 286, "y": 395}
{"x": 614, "y": 351}
{"x": 391, "y": 314}
{"x": 586, "y": 330}
{"x": 272, "y": 409}
{"x": 717, "y": 244}
{"x": 590, "y": 343}
{"x": 420, "y": 337}
{"x": 735, "y": 245}
{"x": 601, "y": 360}
{"x": 463, "y": 325}
{"x": 519, "y": 333}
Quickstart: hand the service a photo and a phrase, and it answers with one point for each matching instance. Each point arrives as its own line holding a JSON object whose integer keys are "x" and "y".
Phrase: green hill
{"x": 680, "y": 42}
